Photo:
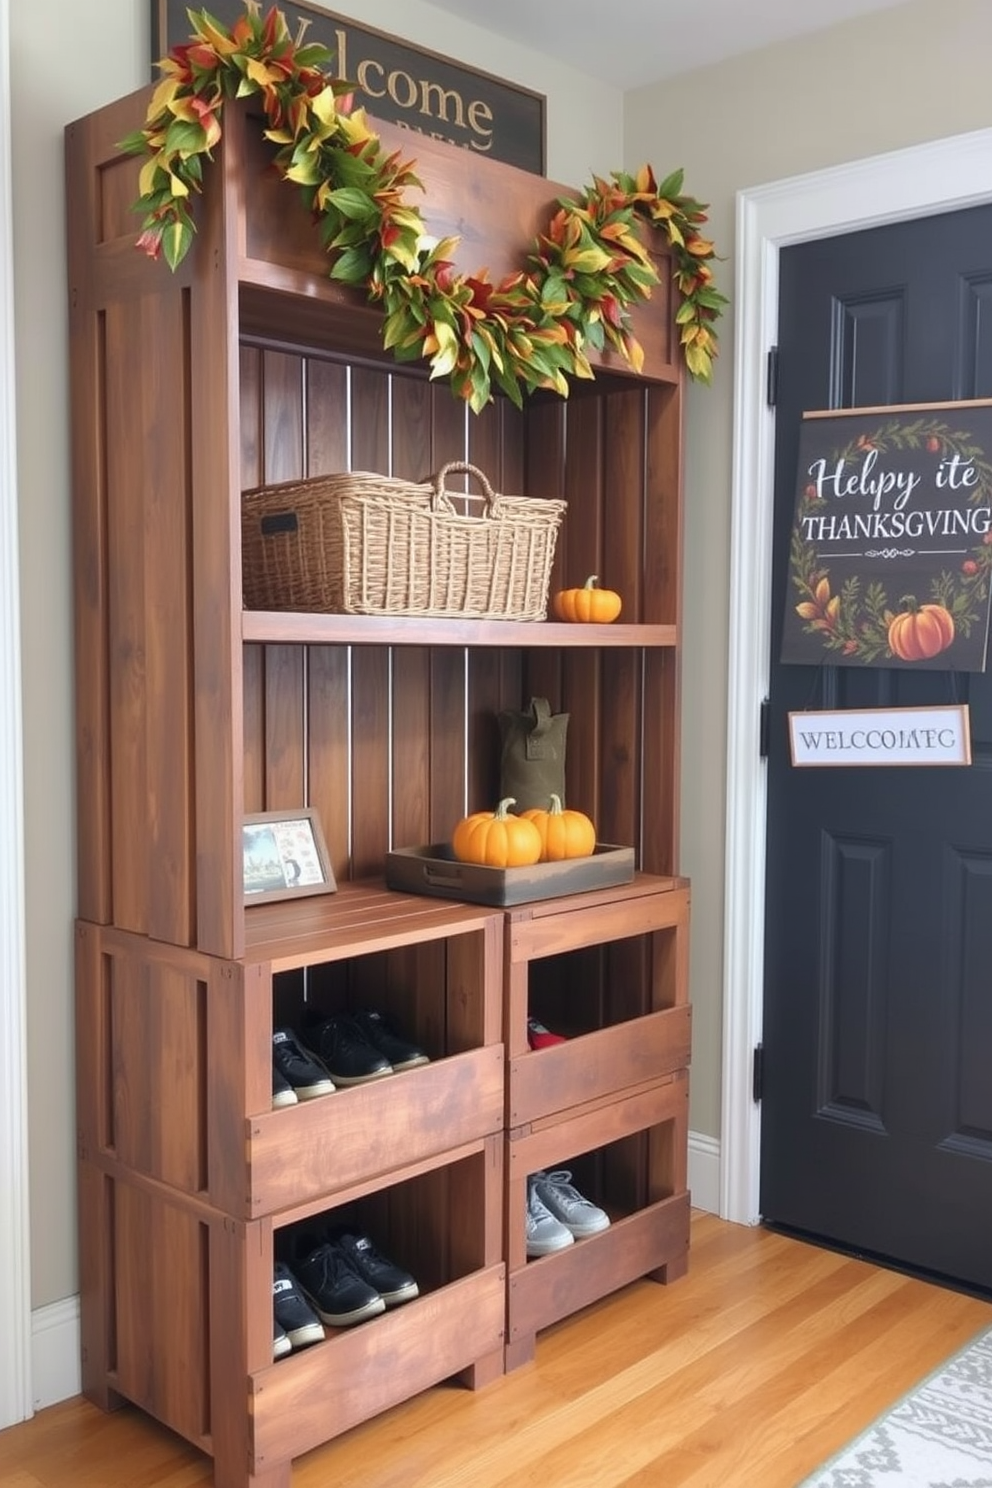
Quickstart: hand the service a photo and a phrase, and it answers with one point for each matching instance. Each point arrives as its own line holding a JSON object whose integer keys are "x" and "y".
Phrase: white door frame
{"x": 917, "y": 182}
{"x": 15, "y": 1293}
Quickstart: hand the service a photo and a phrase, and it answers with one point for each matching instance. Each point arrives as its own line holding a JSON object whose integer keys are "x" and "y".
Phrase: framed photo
{"x": 285, "y": 856}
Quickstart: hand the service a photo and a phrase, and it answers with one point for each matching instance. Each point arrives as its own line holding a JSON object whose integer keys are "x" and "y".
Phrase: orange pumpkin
{"x": 564, "y": 834}
{"x": 589, "y": 604}
{"x": 496, "y": 839}
{"x": 916, "y": 635}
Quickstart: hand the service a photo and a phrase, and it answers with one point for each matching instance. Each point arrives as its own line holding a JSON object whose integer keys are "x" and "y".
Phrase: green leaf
{"x": 352, "y": 266}
{"x": 176, "y": 242}
{"x": 671, "y": 186}
{"x": 354, "y": 203}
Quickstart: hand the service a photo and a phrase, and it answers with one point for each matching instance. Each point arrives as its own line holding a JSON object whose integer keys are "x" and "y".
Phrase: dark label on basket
{"x": 279, "y": 522}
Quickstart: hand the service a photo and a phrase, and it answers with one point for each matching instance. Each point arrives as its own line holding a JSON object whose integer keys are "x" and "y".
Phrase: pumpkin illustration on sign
{"x": 564, "y": 834}
{"x": 495, "y": 839}
{"x": 918, "y": 634}
{"x": 589, "y": 605}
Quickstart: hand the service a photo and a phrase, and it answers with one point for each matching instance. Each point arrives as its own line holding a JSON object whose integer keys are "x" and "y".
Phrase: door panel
{"x": 877, "y": 1109}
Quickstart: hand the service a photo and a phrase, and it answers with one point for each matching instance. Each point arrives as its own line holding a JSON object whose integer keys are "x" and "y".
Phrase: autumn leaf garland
{"x": 532, "y": 329}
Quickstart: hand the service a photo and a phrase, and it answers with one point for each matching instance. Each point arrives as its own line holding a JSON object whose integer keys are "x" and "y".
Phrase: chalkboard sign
{"x": 403, "y": 84}
{"x": 891, "y": 546}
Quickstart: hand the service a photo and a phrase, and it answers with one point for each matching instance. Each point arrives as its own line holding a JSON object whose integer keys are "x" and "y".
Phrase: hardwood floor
{"x": 747, "y": 1373}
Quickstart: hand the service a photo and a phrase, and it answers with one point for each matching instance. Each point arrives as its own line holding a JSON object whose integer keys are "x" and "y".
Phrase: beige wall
{"x": 914, "y": 73}
{"x": 66, "y": 59}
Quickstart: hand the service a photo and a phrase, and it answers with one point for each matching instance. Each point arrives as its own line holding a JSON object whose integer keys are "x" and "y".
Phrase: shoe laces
{"x": 537, "y": 1209}
{"x": 565, "y": 1190}
{"x": 332, "y": 1263}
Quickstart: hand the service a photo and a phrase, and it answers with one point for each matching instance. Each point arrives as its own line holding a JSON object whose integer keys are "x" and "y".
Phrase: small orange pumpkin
{"x": 916, "y": 635}
{"x": 589, "y": 605}
{"x": 496, "y": 839}
{"x": 564, "y": 833}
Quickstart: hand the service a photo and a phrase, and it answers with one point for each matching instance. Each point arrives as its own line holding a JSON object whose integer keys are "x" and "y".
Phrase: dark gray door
{"x": 877, "y": 1106}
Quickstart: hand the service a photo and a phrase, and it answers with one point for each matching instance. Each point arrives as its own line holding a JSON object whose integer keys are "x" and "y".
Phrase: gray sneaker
{"x": 562, "y": 1199}
{"x": 545, "y": 1234}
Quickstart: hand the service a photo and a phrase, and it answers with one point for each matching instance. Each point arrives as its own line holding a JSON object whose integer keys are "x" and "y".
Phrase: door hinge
{"x": 764, "y": 727}
{"x": 758, "y": 1074}
{"x": 771, "y": 377}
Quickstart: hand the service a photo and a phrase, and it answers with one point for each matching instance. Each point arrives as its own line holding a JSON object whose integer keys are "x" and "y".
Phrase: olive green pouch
{"x": 532, "y": 755}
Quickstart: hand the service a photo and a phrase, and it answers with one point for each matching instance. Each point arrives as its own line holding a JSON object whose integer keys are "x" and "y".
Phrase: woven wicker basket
{"x": 366, "y": 544}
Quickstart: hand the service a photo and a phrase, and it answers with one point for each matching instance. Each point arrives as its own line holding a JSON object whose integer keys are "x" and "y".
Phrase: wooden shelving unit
{"x": 249, "y": 366}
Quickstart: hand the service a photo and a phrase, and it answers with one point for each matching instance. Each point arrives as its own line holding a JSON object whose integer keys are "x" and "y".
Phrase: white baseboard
{"x": 55, "y": 1367}
{"x": 704, "y": 1172}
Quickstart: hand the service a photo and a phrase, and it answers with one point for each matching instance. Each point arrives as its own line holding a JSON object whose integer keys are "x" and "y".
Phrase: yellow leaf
{"x": 163, "y": 98}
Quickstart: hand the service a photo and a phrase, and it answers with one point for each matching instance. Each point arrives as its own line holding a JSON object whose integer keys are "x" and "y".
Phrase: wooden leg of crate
{"x": 483, "y": 1371}
{"x": 521, "y": 1351}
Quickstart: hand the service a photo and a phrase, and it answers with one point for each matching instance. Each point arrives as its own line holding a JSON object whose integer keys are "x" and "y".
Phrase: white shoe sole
{"x": 549, "y": 1246}
{"x": 309, "y": 1333}
{"x": 311, "y": 1092}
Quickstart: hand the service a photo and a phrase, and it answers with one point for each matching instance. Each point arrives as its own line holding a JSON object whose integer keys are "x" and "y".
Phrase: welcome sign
{"x": 882, "y": 736}
{"x": 402, "y": 84}
{"x": 891, "y": 546}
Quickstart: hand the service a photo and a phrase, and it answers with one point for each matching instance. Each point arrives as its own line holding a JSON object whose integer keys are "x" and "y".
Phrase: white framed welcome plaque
{"x": 882, "y": 736}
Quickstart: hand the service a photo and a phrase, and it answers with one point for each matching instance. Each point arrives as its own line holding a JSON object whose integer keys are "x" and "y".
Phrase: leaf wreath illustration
{"x": 859, "y": 620}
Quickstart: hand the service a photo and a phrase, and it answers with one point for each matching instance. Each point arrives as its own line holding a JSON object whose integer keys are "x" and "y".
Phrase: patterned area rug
{"x": 938, "y": 1436}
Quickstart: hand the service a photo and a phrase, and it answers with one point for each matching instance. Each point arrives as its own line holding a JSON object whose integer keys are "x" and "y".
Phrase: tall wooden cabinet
{"x": 250, "y": 366}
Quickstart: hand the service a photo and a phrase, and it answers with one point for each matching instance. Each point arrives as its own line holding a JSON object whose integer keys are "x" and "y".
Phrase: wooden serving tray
{"x": 435, "y": 870}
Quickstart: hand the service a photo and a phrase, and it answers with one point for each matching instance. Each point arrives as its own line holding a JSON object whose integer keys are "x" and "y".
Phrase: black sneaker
{"x": 339, "y": 1295}
{"x": 293, "y": 1312}
{"x": 343, "y": 1049}
{"x": 305, "y": 1075}
{"x": 283, "y": 1093}
{"x": 400, "y": 1052}
{"x": 281, "y": 1345}
{"x": 393, "y": 1284}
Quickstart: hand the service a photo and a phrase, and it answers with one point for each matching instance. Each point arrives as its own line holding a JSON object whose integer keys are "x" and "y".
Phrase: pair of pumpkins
{"x": 496, "y": 839}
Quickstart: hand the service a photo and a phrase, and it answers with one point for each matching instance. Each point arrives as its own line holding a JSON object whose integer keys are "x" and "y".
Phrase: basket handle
{"x": 441, "y": 497}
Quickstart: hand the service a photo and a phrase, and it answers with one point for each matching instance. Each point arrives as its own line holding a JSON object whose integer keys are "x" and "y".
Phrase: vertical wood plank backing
{"x": 411, "y": 784}
{"x": 370, "y": 759}
{"x": 660, "y": 824}
{"x": 370, "y": 420}
{"x": 411, "y": 793}
{"x": 663, "y": 539}
{"x": 329, "y": 708}
{"x": 254, "y": 728}
{"x": 326, "y": 386}
{"x": 663, "y": 522}
{"x": 624, "y": 498}
{"x": 282, "y": 417}
{"x": 487, "y": 698}
{"x": 284, "y": 728}
{"x": 412, "y": 425}
{"x": 449, "y": 775}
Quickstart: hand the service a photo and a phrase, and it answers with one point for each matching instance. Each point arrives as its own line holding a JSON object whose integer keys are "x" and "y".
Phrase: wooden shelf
{"x": 357, "y": 920}
{"x": 373, "y": 630}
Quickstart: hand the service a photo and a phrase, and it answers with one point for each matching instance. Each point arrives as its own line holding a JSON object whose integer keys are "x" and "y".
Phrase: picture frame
{"x": 284, "y": 856}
